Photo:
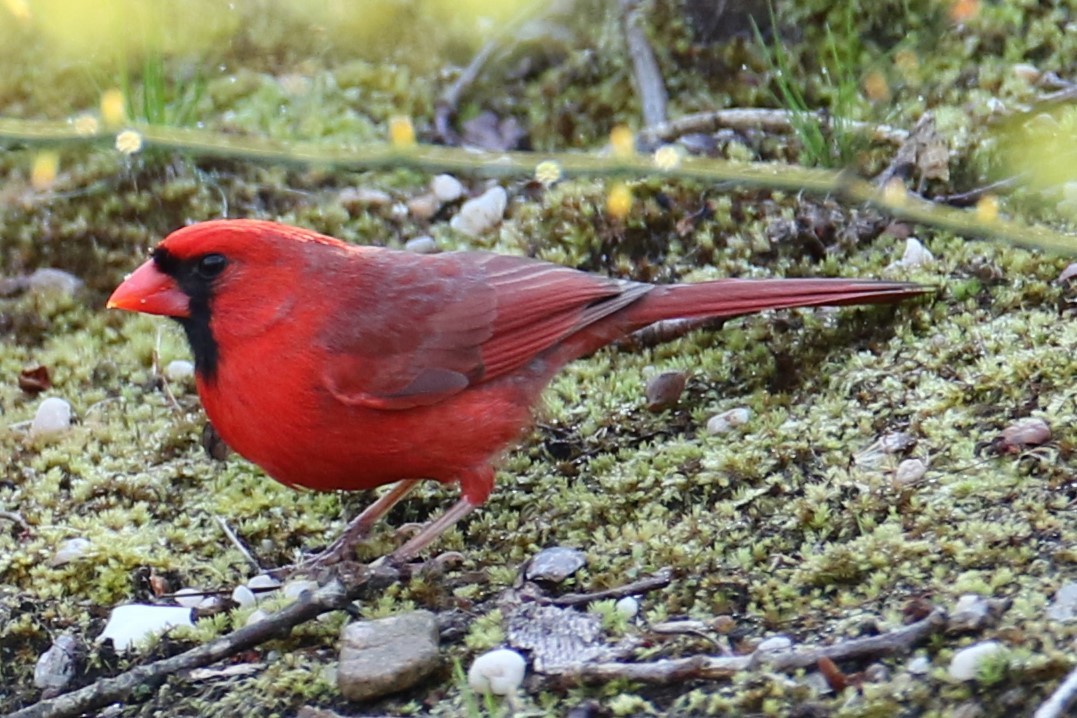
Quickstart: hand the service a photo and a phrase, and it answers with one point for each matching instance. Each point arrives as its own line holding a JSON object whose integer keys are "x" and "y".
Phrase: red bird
{"x": 335, "y": 366}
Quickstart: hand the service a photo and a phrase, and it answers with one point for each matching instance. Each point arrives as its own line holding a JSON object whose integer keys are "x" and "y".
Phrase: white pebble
{"x": 627, "y": 607}
{"x": 774, "y": 644}
{"x": 179, "y": 370}
{"x": 262, "y": 581}
{"x": 293, "y": 589}
{"x": 189, "y": 597}
{"x": 244, "y": 596}
{"x": 256, "y": 616}
{"x": 53, "y": 418}
{"x": 70, "y": 550}
{"x": 1064, "y": 606}
{"x": 966, "y": 663}
{"x": 446, "y": 188}
{"x": 500, "y": 672}
{"x": 916, "y": 254}
{"x": 53, "y": 281}
{"x": 919, "y": 666}
{"x": 909, "y": 472}
{"x": 1027, "y": 72}
{"x": 134, "y": 623}
{"x": 728, "y": 420}
{"x": 423, "y": 207}
{"x": 481, "y": 213}
{"x": 424, "y": 244}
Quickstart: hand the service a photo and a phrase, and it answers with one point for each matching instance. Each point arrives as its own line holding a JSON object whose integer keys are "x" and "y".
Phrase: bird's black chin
{"x": 200, "y": 337}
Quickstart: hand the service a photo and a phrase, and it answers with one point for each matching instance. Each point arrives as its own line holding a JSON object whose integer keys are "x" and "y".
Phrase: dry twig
{"x": 754, "y": 118}
{"x": 676, "y": 670}
{"x": 660, "y": 579}
{"x": 647, "y": 77}
{"x": 330, "y": 597}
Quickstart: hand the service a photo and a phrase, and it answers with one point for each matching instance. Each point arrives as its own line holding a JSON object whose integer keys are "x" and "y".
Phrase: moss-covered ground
{"x": 789, "y": 524}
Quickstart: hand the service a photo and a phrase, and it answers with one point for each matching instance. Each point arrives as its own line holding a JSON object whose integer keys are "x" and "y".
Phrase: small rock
{"x": 423, "y": 207}
{"x": 1027, "y": 72}
{"x": 263, "y": 582}
{"x": 70, "y": 550}
{"x": 916, "y": 254}
{"x": 774, "y": 644}
{"x": 876, "y": 673}
{"x": 189, "y": 597}
{"x": 555, "y": 564}
{"x": 481, "y": 213}
{"x": 53, "y": 281}
{"x": 966, "y": 663}
{"x": 500, "y": 672}
{"x": 1064, "y": 607}
{"x": 664, "y": 390}
{"x": 243, "y": 596}
{"x": 133, "y": 623}
{"x": 359, "y": 197}
{"x": 293, "y": 589}
{"x": 422, "y": 245}
{"x": 627, "y": 607}
{"x": 1068, "y": 273}
{"x": 56, "y": 666}
{"x": 919, "y": 666}
{"x": 1023, "y": 434}
{"x": 969, "y": 614}
{"x": 179, "y": 370}
{"x": 256, "y": 615}
{"x": 728, "y": 420}
{"x": 53, "y": 417}
{"x": 909, "y": 472}
{"x": 446, "y": 188}
{"x": 387, "y": 655}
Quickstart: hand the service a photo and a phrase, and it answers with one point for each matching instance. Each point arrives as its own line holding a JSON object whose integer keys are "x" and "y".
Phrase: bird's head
{"x": 223, "y": 279}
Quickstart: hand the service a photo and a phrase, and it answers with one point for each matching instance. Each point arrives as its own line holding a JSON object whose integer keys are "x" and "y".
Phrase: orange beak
{"x": 150, "y": 291}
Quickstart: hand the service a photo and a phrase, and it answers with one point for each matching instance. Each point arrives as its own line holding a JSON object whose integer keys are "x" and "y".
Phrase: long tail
{"x": 734, "y": 297}
{"x": 723, "y": 298}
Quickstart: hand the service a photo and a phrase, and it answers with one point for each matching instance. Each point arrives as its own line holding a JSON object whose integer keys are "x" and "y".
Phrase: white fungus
{"x": 53, "y": 418}
{"x": 134, "y": 623}
{"x": 500, "y": 672}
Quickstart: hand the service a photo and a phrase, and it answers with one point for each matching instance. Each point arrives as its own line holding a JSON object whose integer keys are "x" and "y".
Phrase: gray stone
{"x": 387, "y": 655}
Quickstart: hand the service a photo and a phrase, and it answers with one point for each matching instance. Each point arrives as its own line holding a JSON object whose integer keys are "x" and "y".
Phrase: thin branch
{"x": 767, "y": 175}
{"x": 16, "y": 518}
{"x": 646, "y": 75}
{"x": 237, "y": 543}
{"x": 676, "y": 670}
{"x": 754, "y": 118}
{"x": 331, "y": 597}
{"x": 661, "y": 579}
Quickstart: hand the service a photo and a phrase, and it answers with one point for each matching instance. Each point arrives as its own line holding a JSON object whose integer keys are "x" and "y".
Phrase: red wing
{"x": 428, "y": 326}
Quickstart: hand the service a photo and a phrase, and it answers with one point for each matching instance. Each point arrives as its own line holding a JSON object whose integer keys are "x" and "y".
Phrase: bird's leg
{"x": 358, "y": 528}
{"x": 430, "y": 532}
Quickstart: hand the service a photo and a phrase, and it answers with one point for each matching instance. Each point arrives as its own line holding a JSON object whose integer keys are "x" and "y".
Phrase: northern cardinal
{"x": 335, "y": 366}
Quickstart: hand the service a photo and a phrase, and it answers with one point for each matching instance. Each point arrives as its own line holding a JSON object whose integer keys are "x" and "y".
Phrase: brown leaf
{"x": 35, "y": 380}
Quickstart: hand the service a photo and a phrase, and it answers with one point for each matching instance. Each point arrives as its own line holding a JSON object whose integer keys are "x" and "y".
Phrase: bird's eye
{"x": 211, "y": 265}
